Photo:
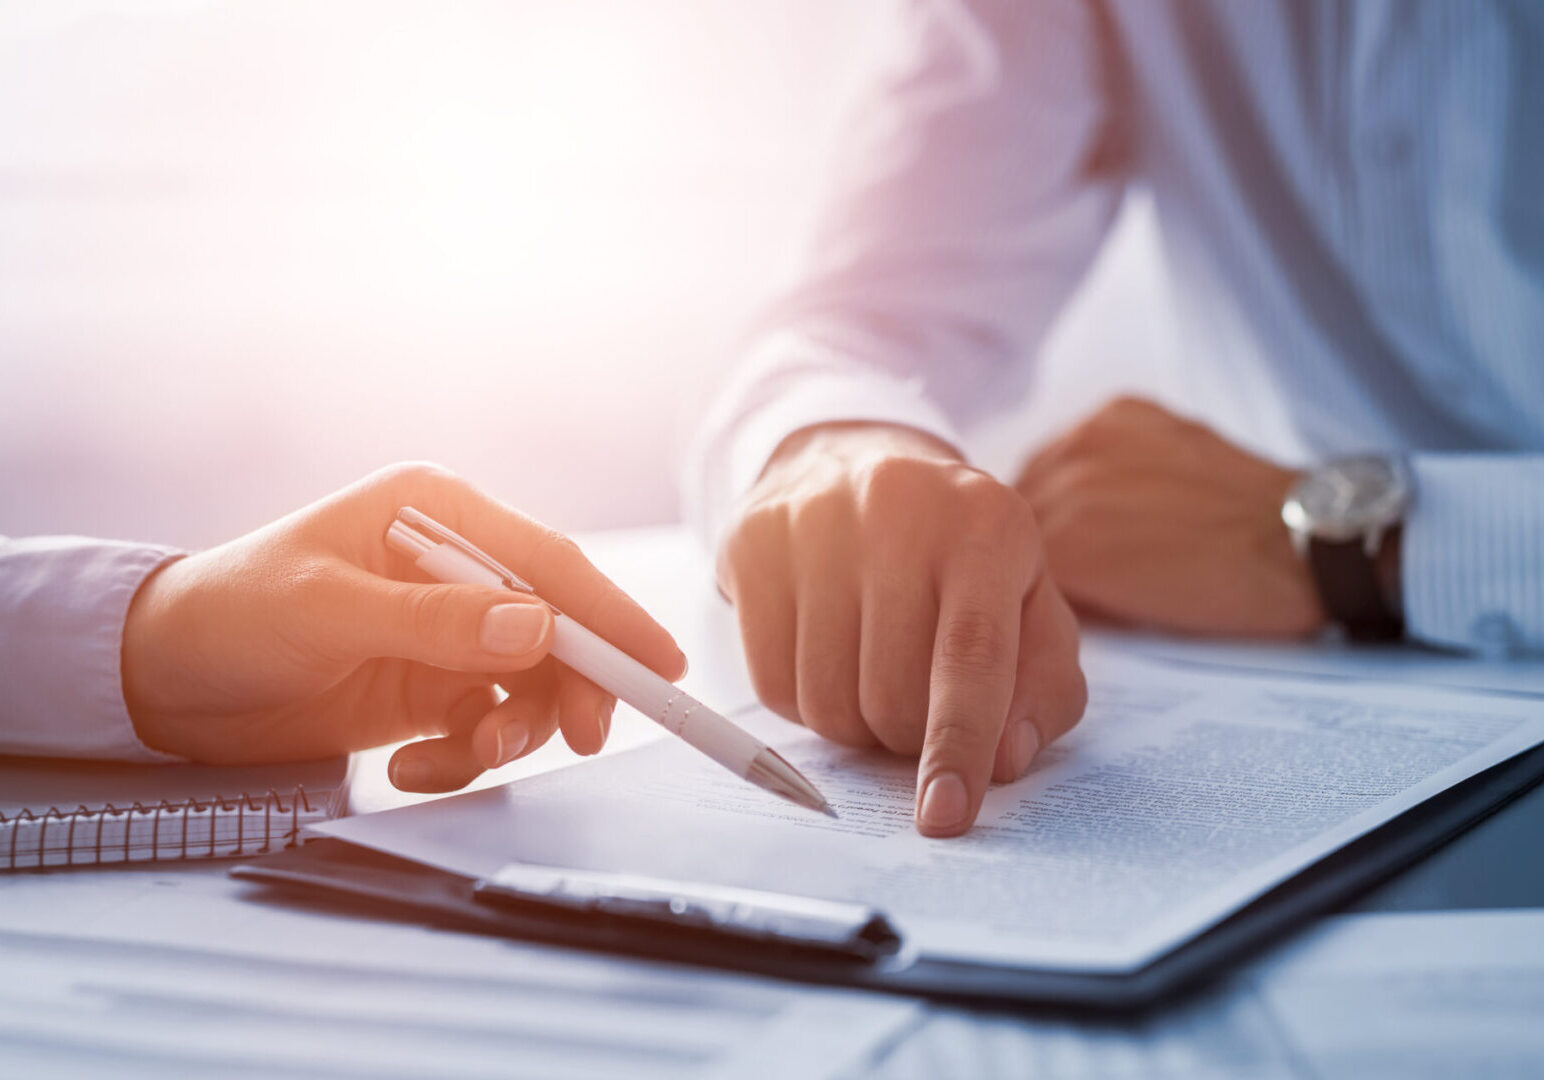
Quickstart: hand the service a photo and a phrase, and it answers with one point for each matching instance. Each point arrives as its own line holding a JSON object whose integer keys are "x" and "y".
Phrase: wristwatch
{"x": 1345, "y": 519}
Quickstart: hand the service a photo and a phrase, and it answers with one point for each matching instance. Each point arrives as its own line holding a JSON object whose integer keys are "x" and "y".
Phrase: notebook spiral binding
{"x": 243, "y": 825}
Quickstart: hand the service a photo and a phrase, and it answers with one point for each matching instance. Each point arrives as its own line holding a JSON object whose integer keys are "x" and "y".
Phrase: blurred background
{"x": 251, "y": 251}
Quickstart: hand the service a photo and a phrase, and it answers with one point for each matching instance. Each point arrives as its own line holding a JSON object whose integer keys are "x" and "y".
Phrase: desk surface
{"x": 1487, "y": 867}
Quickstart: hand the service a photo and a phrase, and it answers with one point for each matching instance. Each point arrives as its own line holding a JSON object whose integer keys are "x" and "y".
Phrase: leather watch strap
{"x": 1348, "y": 585}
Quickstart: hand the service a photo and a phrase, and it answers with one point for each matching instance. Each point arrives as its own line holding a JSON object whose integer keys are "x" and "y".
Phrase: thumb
{"x": 457, "y": 627}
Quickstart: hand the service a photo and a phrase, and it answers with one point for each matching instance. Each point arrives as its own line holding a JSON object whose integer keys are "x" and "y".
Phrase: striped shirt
{"x": 1349, "y": 201}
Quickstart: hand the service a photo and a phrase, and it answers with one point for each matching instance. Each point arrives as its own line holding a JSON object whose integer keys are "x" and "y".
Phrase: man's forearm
{"x": 942, "y": 259}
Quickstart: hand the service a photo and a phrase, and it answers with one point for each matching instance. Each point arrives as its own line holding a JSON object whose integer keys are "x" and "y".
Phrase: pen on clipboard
{"x": 451, "y": 558}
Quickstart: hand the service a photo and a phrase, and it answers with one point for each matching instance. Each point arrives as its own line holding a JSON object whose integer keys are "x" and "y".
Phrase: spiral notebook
{"x": 56, "y": 812}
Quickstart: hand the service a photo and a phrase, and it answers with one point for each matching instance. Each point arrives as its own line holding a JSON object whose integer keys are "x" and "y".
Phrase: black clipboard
{"x": 338, "y": 872}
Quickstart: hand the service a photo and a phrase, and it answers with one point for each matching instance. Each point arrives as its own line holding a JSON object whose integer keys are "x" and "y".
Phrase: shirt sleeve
{"x": 63, "y": 602}
{"x": 1472, "y": 553}
{"x": 975, "y": 192}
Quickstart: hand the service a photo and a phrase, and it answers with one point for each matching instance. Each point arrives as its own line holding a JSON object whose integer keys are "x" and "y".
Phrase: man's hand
{"x": 309, "y": 638}
{"x": 1153, "y": 520}
{"x": 888, "y": 593}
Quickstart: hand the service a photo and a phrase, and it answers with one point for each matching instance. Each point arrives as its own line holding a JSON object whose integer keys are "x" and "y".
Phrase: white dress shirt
{"x": 63, "y": 603}
{"x": 1349, "y": 199}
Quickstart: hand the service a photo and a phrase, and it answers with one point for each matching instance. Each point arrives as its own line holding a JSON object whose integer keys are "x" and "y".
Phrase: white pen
{"x": 450, "y": 557}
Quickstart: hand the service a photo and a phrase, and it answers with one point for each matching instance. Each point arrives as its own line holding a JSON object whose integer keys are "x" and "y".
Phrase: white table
{"x": 168, "y": 909}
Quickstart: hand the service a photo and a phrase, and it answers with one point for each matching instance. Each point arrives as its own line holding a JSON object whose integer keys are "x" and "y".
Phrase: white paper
{"x": 1182, "y": 796}
{"x": 155, "y": 974}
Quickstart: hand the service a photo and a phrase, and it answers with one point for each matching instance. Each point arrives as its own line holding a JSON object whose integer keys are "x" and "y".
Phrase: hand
{"x": 888, "y": 593}
{"x": 310, "y": 638}
{"x": 1154, "y": 520}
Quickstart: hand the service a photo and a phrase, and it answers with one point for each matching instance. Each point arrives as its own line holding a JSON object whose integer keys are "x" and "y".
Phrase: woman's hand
{"x": 309, "y": 638}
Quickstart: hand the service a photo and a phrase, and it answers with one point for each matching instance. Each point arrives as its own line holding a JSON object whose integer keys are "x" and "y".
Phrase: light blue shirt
{"x": 1349, "y": 199}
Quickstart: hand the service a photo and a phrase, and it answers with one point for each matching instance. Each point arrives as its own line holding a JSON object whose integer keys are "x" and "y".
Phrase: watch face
{"x": 1347, "y": 498}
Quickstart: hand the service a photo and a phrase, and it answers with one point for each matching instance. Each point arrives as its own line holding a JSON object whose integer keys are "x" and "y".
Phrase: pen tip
{"x": 771, "y": 771}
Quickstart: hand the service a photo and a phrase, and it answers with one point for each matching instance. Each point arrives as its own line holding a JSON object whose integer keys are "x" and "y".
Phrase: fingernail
{"x": 945, "y": 802}
{"x": 1026, "y": 744}
{"x": 411, "y": 775}
{"x": 513, "y": 629}
{"x": 512, "y": 740}
{"x": 602, "y": 727}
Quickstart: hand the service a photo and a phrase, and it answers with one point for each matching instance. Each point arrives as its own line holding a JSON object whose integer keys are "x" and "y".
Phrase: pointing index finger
{"x": 975, "y": 660}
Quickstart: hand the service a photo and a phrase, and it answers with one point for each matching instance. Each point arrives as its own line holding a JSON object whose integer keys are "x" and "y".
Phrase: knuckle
{"x": 1087, "y": 434}
{"x": 826, "y": 709}
{"x": 896, "y": 720}
{"x": 1116, "y": 415}
{"x": 1127, "y": 405}
{"x": 892, "y": 481}
{"x": 820, "y": 514}
{"x": 758, "y": 530}
{"x": 307, "y": 579}
{"x": 560, "y": 544}
{"x": 972, "y": 642}
{"x": 991, "y": 533}
{"x": 1077, "y": 696}
{"x": 1066, "y": 706}
{"x": 1084, "y": 475}
{"x": 883, "y": 702}
{"x": 752, "y": 551}
{"x": 888, "y": 575}
{"x": 958, "y": 734}
{"x": 428, "y": 611}
{"x": 978, "y": 490}
{"x": 1055, "y": 693}
{"x": 556, "y": 549}
{"x": 1001, "y": 516}
{"x": 983, "y": 500}
{"x": 902, "y": 740}
{"x": 558, "y": 557}
{"x": 418, "y": 476}
{"x": 774, "y": 687}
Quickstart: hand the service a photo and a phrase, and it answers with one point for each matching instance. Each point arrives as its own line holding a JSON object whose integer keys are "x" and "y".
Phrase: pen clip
{"x": 421, "y": 521}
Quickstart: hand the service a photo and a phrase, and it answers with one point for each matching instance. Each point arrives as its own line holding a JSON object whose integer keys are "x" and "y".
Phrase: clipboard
{"x": 848, "y": 944}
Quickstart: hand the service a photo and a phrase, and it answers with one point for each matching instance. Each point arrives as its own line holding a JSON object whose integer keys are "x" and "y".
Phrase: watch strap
{"x": 1348, "y": 584}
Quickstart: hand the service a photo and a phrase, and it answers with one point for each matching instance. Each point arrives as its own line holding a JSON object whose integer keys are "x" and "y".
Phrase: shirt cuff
{"x": 1472, "y": 552}
{"x": 63, "y": 603}
{"x": 809, "y": 383}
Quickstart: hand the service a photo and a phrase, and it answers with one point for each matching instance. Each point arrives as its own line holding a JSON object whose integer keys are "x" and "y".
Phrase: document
{"x": 1183, "y": 795}
{"x": 156, "y": 973}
